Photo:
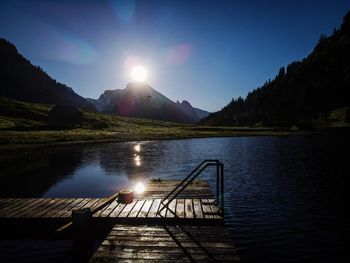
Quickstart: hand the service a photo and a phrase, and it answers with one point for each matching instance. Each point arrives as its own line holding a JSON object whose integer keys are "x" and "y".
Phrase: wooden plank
{"x": 172, "y": 252}
{"x": 136, "y": 209}
{"x": 15, "y": 205}
{"x": 9, "y": 203}
{"x": 101, "y": 206}
{"x": 172, "y": 209}
{"x": 23, "y": 209}
{"x": 154, "y": 208}
{"x": 180, "y": 208}
{"x": 104, "y": 203}
{"x": 199, "y": 236}
{"x": 91, "y": 203}
{"x": 82, "y": 204}
{"x": 30, "y": 213}
{"x": 100, "y": 211}
{"x": 117, "y": 210}
{"x": 161, "y": 189}
{"x": 198, "y": 213}
{"x": 54, "y": 213}
{"x": 162, "y": 211}
{"x": 109, "y": 209}
{"x": 5, "y": 202}
{"x": 206, "y": 209}
{"x": 127, "y": 209}
{"x": 189, "y": 211}
{"x": 67, "y": 211}
{"x": 75, "y": 205}
{"x": 44, "y": 212}
{"x": 214, "y": 209}
{"x": 159, "y": 243}
{"x": 45, "y": 208}
{"x": 93, "y": 210}
{"x": 145, "y": 208}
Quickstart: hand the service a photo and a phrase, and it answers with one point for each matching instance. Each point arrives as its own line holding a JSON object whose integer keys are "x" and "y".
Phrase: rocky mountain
{"x": 303, "y": 93}
{"x": 21, "y": 80}
{"x": 140, "y": 100}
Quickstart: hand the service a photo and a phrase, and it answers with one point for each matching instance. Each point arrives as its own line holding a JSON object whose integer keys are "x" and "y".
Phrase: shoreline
{"x": 36, "y": 140}
{"x": 144, "y": 137}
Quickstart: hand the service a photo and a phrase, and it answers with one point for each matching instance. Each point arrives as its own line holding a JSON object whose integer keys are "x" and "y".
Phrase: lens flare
{"x": 139, "y": 188}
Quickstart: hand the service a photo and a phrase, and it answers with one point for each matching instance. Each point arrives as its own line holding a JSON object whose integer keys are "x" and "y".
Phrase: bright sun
{"x": 138, "y": 73}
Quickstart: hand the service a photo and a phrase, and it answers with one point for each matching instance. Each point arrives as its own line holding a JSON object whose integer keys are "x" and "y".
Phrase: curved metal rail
{"x": 219, "y": 202}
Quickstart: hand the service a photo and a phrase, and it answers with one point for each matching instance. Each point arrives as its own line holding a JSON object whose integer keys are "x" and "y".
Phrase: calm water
{"x": 286, "y": 197}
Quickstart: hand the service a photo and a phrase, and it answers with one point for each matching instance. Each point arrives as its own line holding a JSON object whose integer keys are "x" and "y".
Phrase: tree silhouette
{"x": 301, "y": 93}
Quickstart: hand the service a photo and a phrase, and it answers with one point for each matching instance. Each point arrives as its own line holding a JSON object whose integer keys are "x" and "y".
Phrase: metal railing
{"x": 219, "y": 201}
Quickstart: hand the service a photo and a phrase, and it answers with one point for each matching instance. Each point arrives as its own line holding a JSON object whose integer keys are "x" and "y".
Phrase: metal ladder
{"x": 219, "y": 201}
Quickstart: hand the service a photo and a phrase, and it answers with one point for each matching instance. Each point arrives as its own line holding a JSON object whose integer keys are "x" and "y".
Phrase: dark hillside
{"x": 21, "y": 80}
{"x": 303, "y": 93}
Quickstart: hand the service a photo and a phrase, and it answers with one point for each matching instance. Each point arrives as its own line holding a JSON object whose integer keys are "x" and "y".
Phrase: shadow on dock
{"x": 188, "y": 230}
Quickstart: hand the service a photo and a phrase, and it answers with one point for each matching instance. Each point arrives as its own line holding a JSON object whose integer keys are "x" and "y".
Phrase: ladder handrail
{"x": 188, "y": 176}
{"x": 194, "y": 174}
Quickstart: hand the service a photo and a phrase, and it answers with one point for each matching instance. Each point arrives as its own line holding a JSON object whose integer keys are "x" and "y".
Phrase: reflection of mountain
{"x": 124, "y": 159}
{"x": 34, "y": 173}
{"x": 65, "y": 160}
{"x": 140, "y": 100}
{"x": 154, "y": 160}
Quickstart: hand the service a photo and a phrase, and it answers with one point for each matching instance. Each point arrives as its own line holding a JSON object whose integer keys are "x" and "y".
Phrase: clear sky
{"x": 203, "y": 51}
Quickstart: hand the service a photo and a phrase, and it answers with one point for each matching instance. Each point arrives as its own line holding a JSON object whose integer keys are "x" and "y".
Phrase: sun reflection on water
{"x": 137, "y": 158}
{"x": 137, "y": 147}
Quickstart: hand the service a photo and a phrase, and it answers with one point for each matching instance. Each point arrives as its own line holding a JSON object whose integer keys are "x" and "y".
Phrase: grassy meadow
{"x": 23, "y": 123}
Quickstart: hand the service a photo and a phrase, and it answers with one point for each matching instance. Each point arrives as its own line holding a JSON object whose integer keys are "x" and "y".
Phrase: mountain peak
{"x": 186, "y": 103}
{"x": 138, "y": 99}
{"x": 137, "y": 84}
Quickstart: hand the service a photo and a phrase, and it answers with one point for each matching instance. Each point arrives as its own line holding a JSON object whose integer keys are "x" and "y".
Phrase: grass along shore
{"x": 26, "y": 124}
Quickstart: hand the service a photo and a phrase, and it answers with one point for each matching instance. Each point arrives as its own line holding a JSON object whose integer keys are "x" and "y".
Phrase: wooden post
{"x": 81, "y": 220}
{"x": 93, "y": 211}
{"x": 83, "y": 244}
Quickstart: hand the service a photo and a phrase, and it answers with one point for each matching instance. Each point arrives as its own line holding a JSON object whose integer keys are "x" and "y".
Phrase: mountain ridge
{"x": 21, "y": 80}
{"x": 140, "y": 100}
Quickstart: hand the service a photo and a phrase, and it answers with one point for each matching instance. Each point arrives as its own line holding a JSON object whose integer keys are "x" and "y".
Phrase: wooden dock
{"x": 192, "y": 204}
{"x": 189, "y": 231}
{"x": 166, "y": 244}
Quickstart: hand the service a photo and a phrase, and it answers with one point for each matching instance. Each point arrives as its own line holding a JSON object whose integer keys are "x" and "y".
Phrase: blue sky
{"x": 203, "y": 51}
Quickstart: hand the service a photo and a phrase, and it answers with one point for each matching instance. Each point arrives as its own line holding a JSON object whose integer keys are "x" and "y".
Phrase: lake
{"x": 286, "y": 197}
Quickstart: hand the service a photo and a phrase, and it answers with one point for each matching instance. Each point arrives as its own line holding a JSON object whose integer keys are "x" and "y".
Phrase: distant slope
{"x": 305, "y": 92}
{"x": 201, "y": 113}
{"x": 142, "y": 101}
{"x": 189, "y": 110}
{"x": 21, "y": 80}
